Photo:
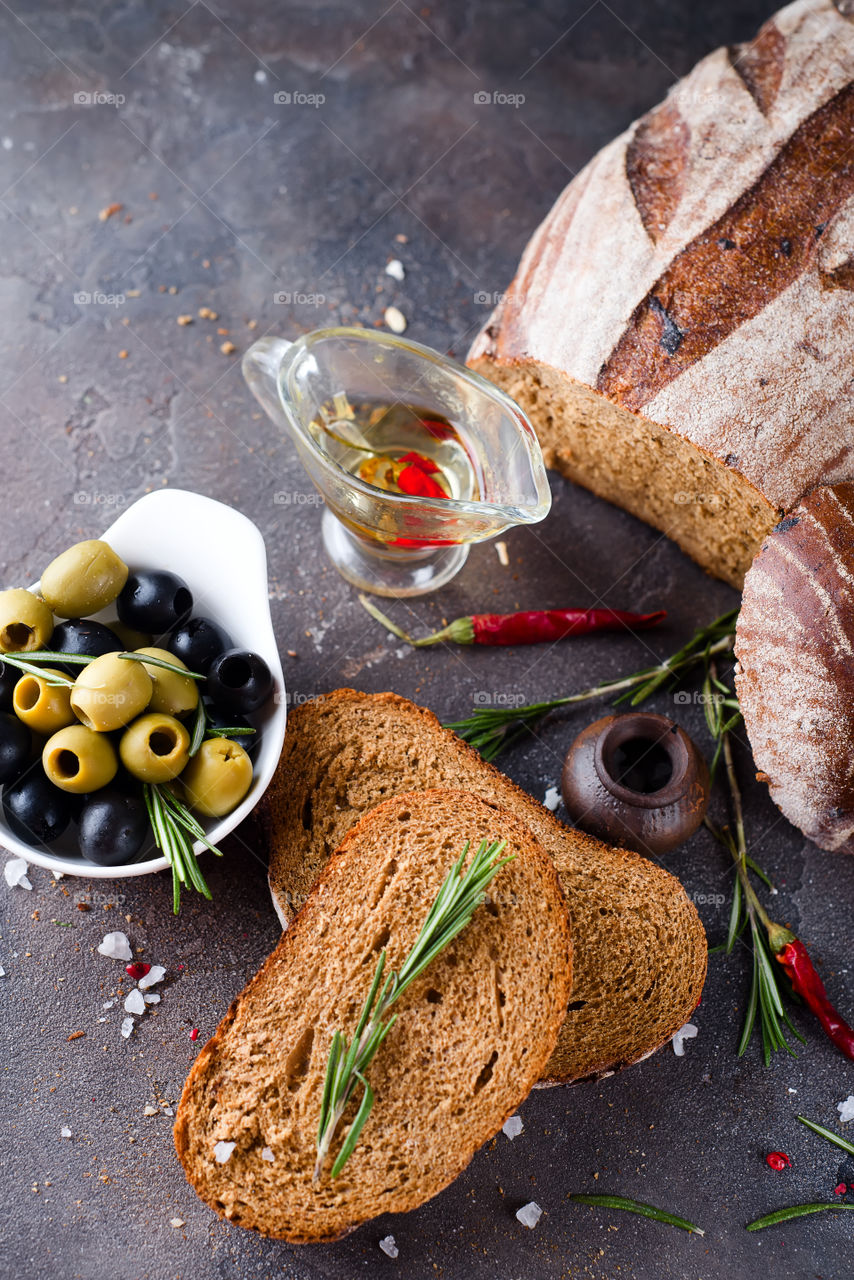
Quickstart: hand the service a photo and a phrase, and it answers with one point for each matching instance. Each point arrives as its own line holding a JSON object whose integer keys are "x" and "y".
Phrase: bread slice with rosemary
{"x": 639, "y": 947}
{"x": 472, "y": 1035}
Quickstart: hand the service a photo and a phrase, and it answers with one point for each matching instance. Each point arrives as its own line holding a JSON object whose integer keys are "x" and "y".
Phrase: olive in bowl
{"x": 26, "y": 622}
{"x": 83, "y": 580}
{"x": 198, "y": 641}
{"x": 218, "y": 720}
{"x": 171, "y": 693}
{"x": 155, "y": 748}
{"x": 85, "y": 636}
{"x": 112, "y": 827}
{"x": 9, "y": 677}
{"x": 79, "y": 760}
{"x": 35, "y": 810}
{"x": 218, "y": 777}
{"x": 42, "y": 706}
{"x": 239, "y": 681}
{"x": 16, "y": 743}
{"x": 110, "y": 692}
{"x": 154, "y": 600}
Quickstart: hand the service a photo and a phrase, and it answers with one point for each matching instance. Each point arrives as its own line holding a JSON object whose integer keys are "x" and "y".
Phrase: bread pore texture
{"x": 472, "y": 1034}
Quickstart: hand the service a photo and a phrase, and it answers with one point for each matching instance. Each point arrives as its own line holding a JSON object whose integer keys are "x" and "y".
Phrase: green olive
{"x": 172, "y": 693}
{"x": 131, "y": 639}
{"x": 44, "y": 707}
{"x": 217, "y": 778}
{"x": 79, "y": 760}
{"x": 155, "y": 747}
{"x": 85, "y": 578}
{"x": 26, "y": 623}
{"x": 110, "y": 692}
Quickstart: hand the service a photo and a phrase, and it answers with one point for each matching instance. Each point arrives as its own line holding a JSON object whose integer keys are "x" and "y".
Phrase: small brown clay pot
{"x": 636, "y": 780}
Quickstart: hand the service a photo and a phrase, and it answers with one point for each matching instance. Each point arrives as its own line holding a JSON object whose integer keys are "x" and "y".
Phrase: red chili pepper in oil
{"x": 806, "y": 983}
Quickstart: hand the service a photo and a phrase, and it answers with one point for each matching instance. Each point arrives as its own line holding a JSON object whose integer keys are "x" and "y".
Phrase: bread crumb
{"x": 227, "y": 348}
{"x": 109, "y": 211}
{"x": 401, "y": 238}
{"x": 123, "y": 355}
{"x": 176, "y": 1222}
{"x": 75, "y": 1035}
{"x": 182, "y": 320}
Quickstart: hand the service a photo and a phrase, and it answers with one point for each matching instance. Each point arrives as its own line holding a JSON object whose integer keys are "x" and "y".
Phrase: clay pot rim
{"x": 659, "y": 729}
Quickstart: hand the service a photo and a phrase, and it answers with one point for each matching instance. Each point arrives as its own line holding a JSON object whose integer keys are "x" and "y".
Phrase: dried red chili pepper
{"x": 795, "y": 959}
{"x": 538, "y": 626}
{"x": 416, "y": 477}
{"x": 778, "y": 1160}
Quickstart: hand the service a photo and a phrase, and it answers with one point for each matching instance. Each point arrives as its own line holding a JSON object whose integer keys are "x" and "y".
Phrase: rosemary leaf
{"x": 356, "y": 1127}
{"x": 734, "y": 917}
{"x": 151, "y": 661}
{"x": 55, "y": 679}
{"x": 795, "y": 1211}
{"x": 835, "y": 1138}
{"x": 200, "y": 725}
{"x": 638, "y": 1206}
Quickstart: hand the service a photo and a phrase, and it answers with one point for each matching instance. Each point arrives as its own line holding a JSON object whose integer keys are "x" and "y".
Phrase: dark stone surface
{"x": 256, "y": 199}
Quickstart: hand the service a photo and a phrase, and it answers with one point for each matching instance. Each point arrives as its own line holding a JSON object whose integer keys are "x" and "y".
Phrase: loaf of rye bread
{"x": 639, "y": 950}
{"x": 679, "y": 326}
{"x": 795, "y": 673}
{"x": 472, "y": 1033}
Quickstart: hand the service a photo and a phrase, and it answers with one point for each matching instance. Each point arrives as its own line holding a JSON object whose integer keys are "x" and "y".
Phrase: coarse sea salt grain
{"x": 152, "y": 999}
{"x": 155, "y": 974}
{"x": 846, "y": 1109}
{"x": 127, "y": 1027}
{"x": 115, "y": 947}
{"x": 2, "y": 972}
{"x": 176, "y": 1222}
{"x": 512, "y": 1127}
{"x": 678, "y": 1041}
{"x": 222, "y": 1151}
{"x": 15, "y": 872}
{"x": 135, "y": 1002}
{"x": 150, "y": 1110}
{"x": 267, "y": 1154}
{"x": 65, "y": 1132}
{"x": 395, "y": 320}
{"x": 395, "y": 269}
{"x": 552, "y": 798}
{"x": 530, "y": 1214}
{"x": 108, "y": 1004}
{"x": 389, "y": 1246}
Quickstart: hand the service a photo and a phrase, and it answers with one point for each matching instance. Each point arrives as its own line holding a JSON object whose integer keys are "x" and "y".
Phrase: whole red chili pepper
{"x": 538, "y": 626}
{"x": 795, "y": 959}
{"x": 778, "y": 1160}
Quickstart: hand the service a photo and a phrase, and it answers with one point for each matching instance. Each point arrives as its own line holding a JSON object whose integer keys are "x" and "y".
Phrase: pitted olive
{"x": 217, "y": 778}
{"x": 155, "y": 748}
{"x": 44, "y": 707}
{"x": 26, "y": 622}
{"x": 79, "y": 760}
{"x": 110, "y": 692}
{"x": 171, "y": 693}
{"x": 85, "y": 578}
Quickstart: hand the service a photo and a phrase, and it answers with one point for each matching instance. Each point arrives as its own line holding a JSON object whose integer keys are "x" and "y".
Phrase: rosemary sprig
{"x": 151, "y": 661}
{"x": 491, "y": 730}
{"x": 29, "y": 665}
{"x": 456, "y": 902}
{"x": 638, "y": 1206}
{"x": 835, "y": 1138}
{"x": 202, "y": 728}
{"x": 175, "y": 829}
{"x": 765, "y": 1002}
{"x": 795, "y": 1211}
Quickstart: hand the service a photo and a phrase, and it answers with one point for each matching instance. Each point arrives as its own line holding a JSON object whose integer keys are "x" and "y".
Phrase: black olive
{"x": 15, "y": 745}
{"x": 239, "y": 681}
{"x": 198, "y": 642}
{"x": 113, "y": 827}
{"x": 154, "y": 601}
{"x": 36, "y": 811}
{"x": 83, "y": 635}
{"x": 9, "y": 677}
{"x": 221, "y": 719}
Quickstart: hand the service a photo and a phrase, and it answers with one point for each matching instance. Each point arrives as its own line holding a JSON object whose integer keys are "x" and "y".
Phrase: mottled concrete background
{"x": 280, "y": 216}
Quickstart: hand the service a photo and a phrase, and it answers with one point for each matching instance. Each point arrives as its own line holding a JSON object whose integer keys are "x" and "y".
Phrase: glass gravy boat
{"x": 415, "y": 456}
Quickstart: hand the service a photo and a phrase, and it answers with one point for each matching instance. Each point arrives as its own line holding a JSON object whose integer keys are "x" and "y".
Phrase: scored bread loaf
{"x": 472, "y": 1034}
{"x": 679, "y": 326}
{"x": 639, "y": 950}
{"x": 795, "y": 673}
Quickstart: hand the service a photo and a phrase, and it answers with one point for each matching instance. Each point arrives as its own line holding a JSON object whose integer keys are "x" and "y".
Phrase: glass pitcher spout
{"x": 415, "y": 456}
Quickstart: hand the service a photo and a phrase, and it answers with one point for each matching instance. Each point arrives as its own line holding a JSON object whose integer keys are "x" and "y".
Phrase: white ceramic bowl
{"x": 221, "y": 555}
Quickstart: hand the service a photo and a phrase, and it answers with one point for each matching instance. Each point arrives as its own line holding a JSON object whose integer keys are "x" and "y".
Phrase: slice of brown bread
{"x": 639, "y": 947}
{"x": 472, "y": 1036}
